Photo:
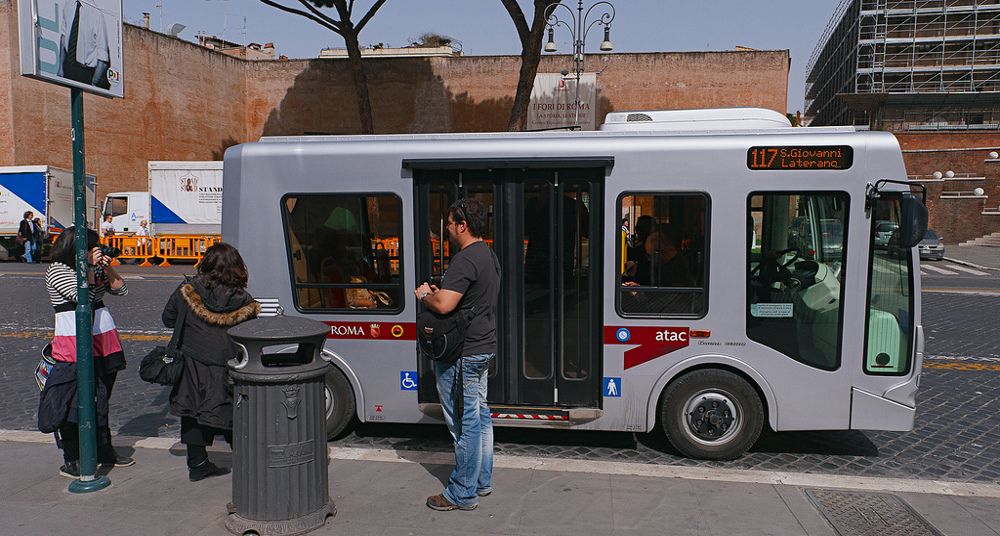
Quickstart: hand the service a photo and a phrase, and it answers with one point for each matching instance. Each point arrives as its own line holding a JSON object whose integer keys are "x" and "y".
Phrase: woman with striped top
{"x": 57, "y": 408}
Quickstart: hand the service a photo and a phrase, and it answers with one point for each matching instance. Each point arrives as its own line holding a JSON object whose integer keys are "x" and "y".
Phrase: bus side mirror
{"x": 913, "y": 220}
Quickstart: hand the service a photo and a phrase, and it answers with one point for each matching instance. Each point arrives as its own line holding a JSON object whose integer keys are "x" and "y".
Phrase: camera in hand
{"x": 110, "y": 251}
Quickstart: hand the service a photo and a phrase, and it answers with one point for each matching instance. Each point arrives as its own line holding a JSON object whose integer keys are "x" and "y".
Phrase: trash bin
{"x": 280, "y": 478}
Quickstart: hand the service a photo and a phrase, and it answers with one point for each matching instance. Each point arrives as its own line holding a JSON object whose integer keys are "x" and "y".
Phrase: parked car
{"x": 883, "y": 232}
{"x": 931, "y": 246}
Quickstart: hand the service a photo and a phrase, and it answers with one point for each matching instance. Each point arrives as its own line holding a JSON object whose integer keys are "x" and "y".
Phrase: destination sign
{"x": 800, "y": 157}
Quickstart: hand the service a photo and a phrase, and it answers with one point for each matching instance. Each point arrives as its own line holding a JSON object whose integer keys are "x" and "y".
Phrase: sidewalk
{"x": 975, "y": 256}
{"x": 383, "y": 492}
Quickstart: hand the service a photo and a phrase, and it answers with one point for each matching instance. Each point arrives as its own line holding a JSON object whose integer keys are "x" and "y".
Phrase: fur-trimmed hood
{"x": 219, "y": 305}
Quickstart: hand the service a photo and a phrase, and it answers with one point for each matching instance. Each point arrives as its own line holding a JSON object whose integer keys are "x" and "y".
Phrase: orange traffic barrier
{"x": 179, "y": 247}
{"x": 165, "y": 247}
{"x": 138, "y": 248}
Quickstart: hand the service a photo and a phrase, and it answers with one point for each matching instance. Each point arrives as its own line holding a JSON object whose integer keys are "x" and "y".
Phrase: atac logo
{"x": 188, "y": 183}
{"x": 375, "y": 330}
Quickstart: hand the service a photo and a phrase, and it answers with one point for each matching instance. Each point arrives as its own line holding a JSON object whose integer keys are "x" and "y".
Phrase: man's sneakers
{"x": 70, "y": 469}
{"x": 116, "y": 459}
{"x": 484, "y": 492}
{"x": 207, "y": 469}
{"x": 440, "y": 503}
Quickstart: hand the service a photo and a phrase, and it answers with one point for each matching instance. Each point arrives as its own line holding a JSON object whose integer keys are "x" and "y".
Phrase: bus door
{"x": 545, "y": 227}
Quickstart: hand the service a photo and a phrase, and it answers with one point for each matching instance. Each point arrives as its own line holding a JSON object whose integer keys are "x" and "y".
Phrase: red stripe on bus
{"x": 375, "y": 331}
{"x": 650, "y": 342}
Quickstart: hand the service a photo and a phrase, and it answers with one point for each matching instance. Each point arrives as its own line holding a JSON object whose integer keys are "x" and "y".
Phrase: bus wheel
{"x": 711, "y": 414}
{"x": 339, "y": 403}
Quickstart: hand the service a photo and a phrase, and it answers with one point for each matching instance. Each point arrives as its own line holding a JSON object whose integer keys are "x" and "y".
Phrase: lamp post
{"x": 579, "y": 25}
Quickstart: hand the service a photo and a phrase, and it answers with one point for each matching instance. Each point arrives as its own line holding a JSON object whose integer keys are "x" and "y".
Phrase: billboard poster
{"x": 553, "y": 101}
{"x": 74, "y": 43}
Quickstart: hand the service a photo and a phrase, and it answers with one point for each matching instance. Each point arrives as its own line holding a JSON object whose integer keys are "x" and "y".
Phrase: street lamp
{"x": 579, "y": 27}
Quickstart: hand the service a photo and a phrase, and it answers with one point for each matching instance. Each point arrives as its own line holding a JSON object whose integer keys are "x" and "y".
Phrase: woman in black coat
{"x": 213, "y": 301}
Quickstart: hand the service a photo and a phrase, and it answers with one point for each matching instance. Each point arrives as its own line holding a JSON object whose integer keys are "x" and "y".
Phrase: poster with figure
{"x": 553, "y": 101}
{"x": 74, "y": 43}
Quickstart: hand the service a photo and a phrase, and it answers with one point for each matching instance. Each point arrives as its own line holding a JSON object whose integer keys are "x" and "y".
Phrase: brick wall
{"x": 961, "y": 218}
{"x": 184, "y": 102}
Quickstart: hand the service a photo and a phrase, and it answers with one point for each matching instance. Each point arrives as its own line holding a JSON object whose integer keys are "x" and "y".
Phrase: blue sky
{"x": 484, "y": 27}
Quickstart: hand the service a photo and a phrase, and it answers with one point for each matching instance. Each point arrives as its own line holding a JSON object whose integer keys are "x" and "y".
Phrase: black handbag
{"x": 442, "y": 337}
{"x": 165, "y": 365}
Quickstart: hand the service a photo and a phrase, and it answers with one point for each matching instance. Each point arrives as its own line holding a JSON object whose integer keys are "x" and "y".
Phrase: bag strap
{"x": 178, "y": 335}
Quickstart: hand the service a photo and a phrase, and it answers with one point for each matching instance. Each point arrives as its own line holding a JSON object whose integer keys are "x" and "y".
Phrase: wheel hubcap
{"x": 712, "y": 417}
{"x": 329, "y": 401}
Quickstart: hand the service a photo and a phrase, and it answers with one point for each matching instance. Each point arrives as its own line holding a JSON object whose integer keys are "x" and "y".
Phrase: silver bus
{"x": 704, "y": 271}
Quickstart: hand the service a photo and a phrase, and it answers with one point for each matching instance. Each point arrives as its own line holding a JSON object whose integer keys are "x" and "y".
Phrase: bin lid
{"x": 278, "y": 329}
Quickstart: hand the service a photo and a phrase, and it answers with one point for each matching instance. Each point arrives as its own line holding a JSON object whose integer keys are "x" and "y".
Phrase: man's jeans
{"x": 29, "y": 248}
{"x": 474, "y": 438}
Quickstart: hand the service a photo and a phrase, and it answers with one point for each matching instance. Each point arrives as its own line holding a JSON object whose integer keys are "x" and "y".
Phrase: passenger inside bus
{"x": 662, "y": 263}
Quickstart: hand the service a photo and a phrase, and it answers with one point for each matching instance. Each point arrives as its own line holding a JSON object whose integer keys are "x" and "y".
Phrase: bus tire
{"x": 711, "y": 414}
{"x": 340, "y": 406}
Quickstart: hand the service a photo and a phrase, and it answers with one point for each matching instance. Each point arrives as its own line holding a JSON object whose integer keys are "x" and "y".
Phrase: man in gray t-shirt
{"x": 472, "y": 282}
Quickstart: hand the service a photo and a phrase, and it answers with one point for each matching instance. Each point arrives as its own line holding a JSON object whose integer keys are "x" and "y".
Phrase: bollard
{"x": 280, "y": 458}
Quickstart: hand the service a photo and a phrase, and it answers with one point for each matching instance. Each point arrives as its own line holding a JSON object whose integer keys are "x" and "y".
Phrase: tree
{"x": 344, "y": 27}
{"x": 531, "y": 54}
{"x": 430, "y": 39}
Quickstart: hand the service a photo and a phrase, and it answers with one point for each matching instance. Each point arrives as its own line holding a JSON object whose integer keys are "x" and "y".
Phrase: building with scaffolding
{"x": 928, "y": 71}
{"x": 908, "y": 65}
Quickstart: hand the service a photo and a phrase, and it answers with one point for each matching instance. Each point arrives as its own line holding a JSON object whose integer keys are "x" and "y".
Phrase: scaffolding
{"x": 906, "y": 47}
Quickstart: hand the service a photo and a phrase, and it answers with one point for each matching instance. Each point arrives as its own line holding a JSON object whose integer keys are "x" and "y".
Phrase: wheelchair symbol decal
{"x": 408, "y": 380}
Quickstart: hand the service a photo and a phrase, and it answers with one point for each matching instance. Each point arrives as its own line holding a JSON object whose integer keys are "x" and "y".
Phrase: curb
{"x": 971, "y": 264}
{"x": 602, "y": 467}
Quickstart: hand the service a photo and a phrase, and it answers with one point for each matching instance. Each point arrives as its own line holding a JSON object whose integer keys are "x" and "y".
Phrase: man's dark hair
{"x": 473, "y": 212}
{"x": 223, "y": 265}
{"x": 64, "y": 250}
{"x": 27, "y": 213}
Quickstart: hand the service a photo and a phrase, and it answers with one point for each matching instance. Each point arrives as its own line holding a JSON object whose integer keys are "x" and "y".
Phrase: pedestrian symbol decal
{"x": 408, "y": 380}
{"x": 613, "y": 387}
{"x": 623, "y": 335}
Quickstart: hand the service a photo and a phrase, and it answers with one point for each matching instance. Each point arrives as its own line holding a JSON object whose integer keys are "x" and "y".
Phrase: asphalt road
{"x": 957, "y": 434}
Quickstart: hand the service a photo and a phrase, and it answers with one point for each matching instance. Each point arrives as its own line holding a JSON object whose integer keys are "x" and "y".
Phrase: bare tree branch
{"x": 320, "y": 14}
{"x": 309, "y": 16}
{"x": 368, "y": 16}
{"x": 520, "y": 23}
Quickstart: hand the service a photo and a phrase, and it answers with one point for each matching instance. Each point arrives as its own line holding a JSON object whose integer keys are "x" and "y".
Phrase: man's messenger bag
{"x": 441, "y": 337}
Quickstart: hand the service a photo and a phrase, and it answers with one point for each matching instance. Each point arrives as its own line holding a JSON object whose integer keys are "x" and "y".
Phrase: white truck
{"x": 44, "y": 190}
{"x": 183, "y": 198}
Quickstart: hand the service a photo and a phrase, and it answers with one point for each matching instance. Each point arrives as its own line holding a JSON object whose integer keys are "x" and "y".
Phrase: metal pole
{"x": 88, "y": 480}
{"x": 578, "y": 56}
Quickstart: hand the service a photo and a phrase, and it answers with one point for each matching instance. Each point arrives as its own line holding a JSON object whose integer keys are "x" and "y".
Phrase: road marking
{"x": 971, "y": 291}
{"x": 966, "y": 269}
{"x": 938, "y": 270}
{"x": 123, "y": 334}
{"x": 923, "y": 273}
{"x": 957, "y": 365}
{"x": 534, "y": 463}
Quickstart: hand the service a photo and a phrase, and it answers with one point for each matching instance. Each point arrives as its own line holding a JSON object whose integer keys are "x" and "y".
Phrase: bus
{"x": 708, "y": 272}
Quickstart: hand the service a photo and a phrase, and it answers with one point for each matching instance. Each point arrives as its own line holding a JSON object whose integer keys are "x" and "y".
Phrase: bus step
{"x": 550, "y": 415}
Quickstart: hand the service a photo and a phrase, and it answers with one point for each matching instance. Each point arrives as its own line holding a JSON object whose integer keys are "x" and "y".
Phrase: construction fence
{"x": 162, "y": 249}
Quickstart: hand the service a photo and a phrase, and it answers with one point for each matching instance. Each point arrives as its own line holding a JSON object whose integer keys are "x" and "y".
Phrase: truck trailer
{"x": 184, "y": 198}
{"x": 47, "y": 191}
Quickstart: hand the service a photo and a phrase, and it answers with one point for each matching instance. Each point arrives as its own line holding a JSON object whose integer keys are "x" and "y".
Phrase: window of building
{"x": 344, "y": 252}
{"x": 796, "y": 257}
{"x": 662, "y": 254}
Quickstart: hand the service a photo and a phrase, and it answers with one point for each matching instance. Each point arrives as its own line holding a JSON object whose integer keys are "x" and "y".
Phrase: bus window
{"x": 796, "y": 258}
{"x": 662, "y": 254}
{"x": 890, "y": 295}
{"x": 345, "y": 252}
